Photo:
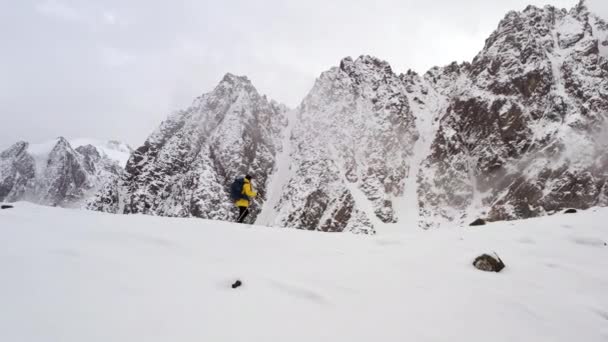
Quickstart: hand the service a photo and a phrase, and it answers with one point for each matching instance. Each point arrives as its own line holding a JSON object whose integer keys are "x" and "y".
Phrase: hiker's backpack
{"x": 236, "y": 189}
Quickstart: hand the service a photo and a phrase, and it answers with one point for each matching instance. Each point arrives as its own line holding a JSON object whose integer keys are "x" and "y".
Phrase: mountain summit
{"x": 58, "y": 172}
{"x": 184, "y": 168}
{"x": 517, "y": 132}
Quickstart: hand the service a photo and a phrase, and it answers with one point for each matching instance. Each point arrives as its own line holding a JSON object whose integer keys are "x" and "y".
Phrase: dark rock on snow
{"x": 570, "y": 211}
{"x": 478, "y": 222}
{"x": 488, "y": 263}
{"x": 6, "y": 206}
{"x": 236, "y": 284}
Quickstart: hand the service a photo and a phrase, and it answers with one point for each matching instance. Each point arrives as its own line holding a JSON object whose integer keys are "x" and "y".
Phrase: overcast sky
{"x": 115, "y": 69}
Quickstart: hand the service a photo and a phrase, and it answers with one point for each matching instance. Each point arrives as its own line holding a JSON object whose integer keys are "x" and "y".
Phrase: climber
{"x": 242, "y": 193}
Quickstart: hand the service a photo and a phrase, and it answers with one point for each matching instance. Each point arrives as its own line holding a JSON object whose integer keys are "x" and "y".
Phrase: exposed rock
{"x": 236, "y": 284}
{"x": 488, "y": 263}
{"x": 6, "y": 206}
{"x": 570, "y": 211}
{"x": 351, "y": 143}
{"x": 519, "y": 137}
{"x": 478, "y": 222}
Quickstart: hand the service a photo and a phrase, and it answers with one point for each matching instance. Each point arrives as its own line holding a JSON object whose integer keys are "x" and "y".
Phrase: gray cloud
{"x": 114, "y": 69}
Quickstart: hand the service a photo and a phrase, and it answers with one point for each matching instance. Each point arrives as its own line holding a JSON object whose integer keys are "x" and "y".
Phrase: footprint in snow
{"x": 526, "y": 240}
{"x": 300, "y": 292}
{"x": 388, "y": 242}
{"x": 587, "y": 241}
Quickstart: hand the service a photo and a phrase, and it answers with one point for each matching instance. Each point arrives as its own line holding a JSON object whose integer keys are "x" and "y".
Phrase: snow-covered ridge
{"x": 91, "y": 276}
{"x": 185, "y": 167}
{"x": 114, "y": 150}
{"x": 59, "y": 172}
{"x": 511, "y": 134}
{"x": 517, "y": 138}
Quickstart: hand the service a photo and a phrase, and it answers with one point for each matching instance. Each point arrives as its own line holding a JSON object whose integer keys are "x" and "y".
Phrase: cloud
{"x": 109, "y": 18}
{"x": 117, "y": 68}
{"x": 113, "y": 57}
{"x": 59, "y": 10}
{"x": 600, "y": 7}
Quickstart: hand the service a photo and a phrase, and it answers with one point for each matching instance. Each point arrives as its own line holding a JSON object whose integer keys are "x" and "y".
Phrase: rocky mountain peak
{"x": 580, "y": 8}
{"x": 365, "y": 66}
{"x": 14, "y": 150}
{"x": 505, "y": 136}
{"x": 234, "y": 83}
{"x": 61, "y": 145}
{"x": 186, "y": 166}
{"x": 53, "y": 172}
{"x": 536, "y": 90}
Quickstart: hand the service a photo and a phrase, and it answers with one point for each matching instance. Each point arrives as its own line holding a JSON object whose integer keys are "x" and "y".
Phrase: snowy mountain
{"x": 112, "y": 149}
{"x": 524, "y": 130}
{"x": 186, "y": 166}
{"x": 75, "y": 275}
{"x": 349, "y": 151}
{"x": 58, "y": 173}
{"x": 518, "y": 132}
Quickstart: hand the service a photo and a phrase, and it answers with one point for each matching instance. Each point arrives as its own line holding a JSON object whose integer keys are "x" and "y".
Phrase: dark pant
{"x": 243, "y": 212}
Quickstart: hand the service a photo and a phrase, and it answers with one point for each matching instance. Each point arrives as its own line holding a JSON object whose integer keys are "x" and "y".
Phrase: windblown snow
{"x": 114, "y": 150}
{"x": 70, "y": 275}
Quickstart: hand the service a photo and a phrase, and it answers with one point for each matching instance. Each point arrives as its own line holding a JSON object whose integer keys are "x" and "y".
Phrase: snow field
{"x": 70, "y": 275}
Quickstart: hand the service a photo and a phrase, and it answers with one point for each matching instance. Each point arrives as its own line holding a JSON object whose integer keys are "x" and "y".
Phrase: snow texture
{"x": 70, "y": 275}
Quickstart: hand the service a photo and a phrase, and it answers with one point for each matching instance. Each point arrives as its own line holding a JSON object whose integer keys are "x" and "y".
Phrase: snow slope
{"x": 70, "y": 275}
{"x": 115, "y": 150}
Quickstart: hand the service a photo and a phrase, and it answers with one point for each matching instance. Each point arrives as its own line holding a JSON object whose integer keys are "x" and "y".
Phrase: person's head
{"x": 248, "y": 177}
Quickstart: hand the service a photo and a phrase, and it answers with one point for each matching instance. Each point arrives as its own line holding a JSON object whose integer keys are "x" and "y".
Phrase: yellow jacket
{"x": 247, "y": 191}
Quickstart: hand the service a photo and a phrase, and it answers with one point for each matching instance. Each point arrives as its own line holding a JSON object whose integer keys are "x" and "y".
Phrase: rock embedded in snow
{"x": 570, "y": 211}
{"x": 6, "y": 206}
{"x": 488, "y": 263}
{"x": 478, "y": 222}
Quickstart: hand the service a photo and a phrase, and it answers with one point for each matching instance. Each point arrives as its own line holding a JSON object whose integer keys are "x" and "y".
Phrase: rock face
{"x": 520, "y": 131}
{"x": 522, "y": 134}
{"x": 349, "y": 150}
{"x": 53, "y": 173}
{"x": 185, "y": 168}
